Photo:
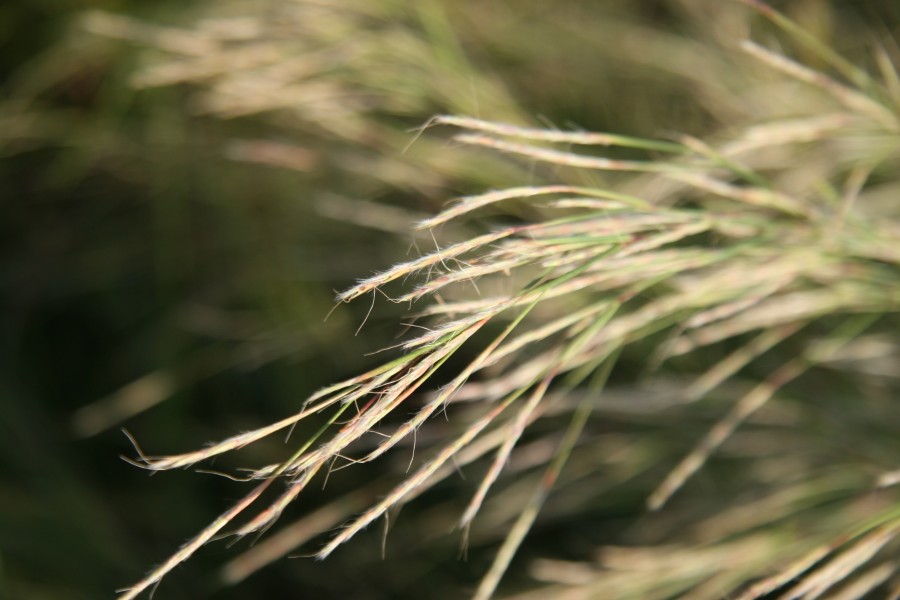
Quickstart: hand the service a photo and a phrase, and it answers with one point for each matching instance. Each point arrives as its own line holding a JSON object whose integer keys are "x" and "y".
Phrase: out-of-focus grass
{"x": 182, "y": 243}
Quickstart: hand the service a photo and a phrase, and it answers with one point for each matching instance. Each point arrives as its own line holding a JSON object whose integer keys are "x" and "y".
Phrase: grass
{"x": 730, "y": 287}
{"x": 633, "y": 364}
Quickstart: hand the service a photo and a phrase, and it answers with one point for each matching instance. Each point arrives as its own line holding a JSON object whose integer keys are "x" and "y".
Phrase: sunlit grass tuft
{"x": 757, "y": 262}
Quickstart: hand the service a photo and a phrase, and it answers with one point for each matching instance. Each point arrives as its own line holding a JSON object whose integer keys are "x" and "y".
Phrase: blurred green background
{"x": 184, "y": 187}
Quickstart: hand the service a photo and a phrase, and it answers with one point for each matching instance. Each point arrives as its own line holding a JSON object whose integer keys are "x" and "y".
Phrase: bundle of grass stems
{"x": 689, "y": 343}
